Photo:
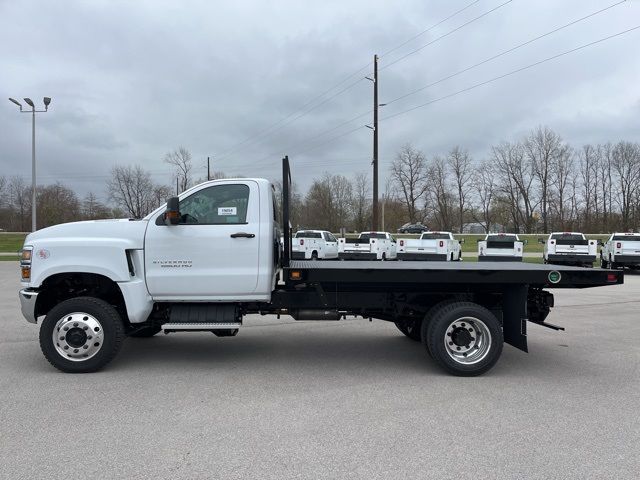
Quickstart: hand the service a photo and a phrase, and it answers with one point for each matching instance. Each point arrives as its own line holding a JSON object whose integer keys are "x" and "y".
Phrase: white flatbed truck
{"x": 213, "y": 255}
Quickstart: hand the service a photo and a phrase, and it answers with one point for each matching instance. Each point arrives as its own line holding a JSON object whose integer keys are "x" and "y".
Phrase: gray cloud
{"x": 133, "y": 80}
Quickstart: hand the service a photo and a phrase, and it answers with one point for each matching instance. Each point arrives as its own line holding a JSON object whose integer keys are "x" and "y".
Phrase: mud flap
{"x": 514, "y": 316}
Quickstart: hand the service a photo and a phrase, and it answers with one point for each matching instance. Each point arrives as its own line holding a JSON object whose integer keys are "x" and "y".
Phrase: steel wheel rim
{"x": 467, "y": 340}
{"x": 78, "y": 336}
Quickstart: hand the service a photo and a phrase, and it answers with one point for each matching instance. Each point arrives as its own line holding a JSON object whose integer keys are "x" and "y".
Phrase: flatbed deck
{"x": 418, "y": 272}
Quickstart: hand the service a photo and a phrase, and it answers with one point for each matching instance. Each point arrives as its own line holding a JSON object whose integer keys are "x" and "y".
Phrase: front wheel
{"x": 81, "y": 335}
{"x": 464, "y": 338}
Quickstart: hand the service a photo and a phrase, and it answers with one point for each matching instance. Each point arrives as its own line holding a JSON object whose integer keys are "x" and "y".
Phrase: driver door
{"x": 212, "y": 254}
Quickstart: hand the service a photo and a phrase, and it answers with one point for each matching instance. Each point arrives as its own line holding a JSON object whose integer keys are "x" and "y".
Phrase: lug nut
{"x": 450, "y": 343}
{"x": 75, "y": 324}
{"x": 85, "y": 346}
{"x": 96, "y": 344}
{"x": 96, "y": 329}
{"x": 66, "y": 329}
{"x": 457, "y": 348}
{"x": 85, "y": 318}
{"x": 61, "y": 338}
{"x": 66, "y": 347}
{"x": 85, "y": 328}
{"x": 75, "y": 350}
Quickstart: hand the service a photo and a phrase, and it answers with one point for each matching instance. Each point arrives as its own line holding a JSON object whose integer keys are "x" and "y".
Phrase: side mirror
{"x": 525, "y": 241}
{"x": 172, "y": 213}
{"x": 461, "y": 241}
{"x": 479, "y": 240}
{"x": 542, "y": 240}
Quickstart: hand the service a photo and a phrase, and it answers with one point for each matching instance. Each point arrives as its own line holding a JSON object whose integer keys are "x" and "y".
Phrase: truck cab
{"x": 368, "y": 246}
{"x": 569, "y": 248}
{"x": 500, "y": 247}
{"x": 621, "y": 250}
{"x": 430, "y": 246}
{"x": 314, "y": 245}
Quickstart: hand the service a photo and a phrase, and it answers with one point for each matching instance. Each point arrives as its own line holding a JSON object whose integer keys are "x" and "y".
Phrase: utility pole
{"x": 208, "y": 169}
{"x": 177, "y": 187}
{"x": 375, "y": 144}
{"x": 47, "y": 101}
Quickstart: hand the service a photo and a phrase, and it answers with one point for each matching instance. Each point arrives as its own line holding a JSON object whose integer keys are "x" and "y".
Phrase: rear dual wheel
{"x": 464, "y": 338}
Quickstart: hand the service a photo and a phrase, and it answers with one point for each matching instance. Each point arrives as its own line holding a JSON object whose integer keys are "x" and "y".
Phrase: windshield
{"x": 627, "y": 238}
{"x": 435, "y": 236}
{"x": 306, "y": 234}
{"x": 369, "y": 235}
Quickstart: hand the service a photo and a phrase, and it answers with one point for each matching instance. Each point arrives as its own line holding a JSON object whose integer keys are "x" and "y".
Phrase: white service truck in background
{"x": 500, "y": 247}
{"x": 314, "y": 245}
{"x": 621, "y": 250}
{"x": 569, "y": 248}
{"x": 430, "y": 246}
{"x": 368, "y": 246}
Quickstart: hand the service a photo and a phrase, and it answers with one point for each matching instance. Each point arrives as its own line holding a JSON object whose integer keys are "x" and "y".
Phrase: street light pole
{"x": 46, "y": 101}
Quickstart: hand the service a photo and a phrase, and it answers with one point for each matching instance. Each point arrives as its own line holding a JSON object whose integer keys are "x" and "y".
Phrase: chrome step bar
{"x": 201, "y": 326}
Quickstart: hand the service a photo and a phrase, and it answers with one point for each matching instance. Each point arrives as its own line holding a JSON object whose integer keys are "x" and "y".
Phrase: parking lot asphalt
{"x": 348, "y": 399}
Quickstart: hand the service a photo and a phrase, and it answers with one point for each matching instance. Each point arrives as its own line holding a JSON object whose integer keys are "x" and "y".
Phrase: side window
{"x": 325, "y": 235}
{"x": 217, "y": 205}
{"x": 332, "y": 238}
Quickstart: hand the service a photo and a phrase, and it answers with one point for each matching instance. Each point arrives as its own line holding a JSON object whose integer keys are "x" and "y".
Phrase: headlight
{"x": 25, "y": 263}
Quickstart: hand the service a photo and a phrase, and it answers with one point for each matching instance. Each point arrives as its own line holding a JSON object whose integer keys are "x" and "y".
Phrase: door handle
{"x": 242, "y": 235}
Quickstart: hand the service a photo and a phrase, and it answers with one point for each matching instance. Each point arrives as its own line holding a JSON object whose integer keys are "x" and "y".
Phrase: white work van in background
{"x": 500, "y": 247}
{"x": 621, "y": 250}
{"x": 368, "y": 246}
{"x": 430, "y": 246}
{"x": 569, "y": 248}
{"x": 314, "y": 245}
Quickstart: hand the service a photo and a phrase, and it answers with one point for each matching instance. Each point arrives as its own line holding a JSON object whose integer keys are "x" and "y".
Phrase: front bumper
{"x": 570, "y": 258}
{"x": 499, "y": 258}
{"x": 28, "y": 304}
{"x": 422, "y": 256}
{"x": 357, "y": 256}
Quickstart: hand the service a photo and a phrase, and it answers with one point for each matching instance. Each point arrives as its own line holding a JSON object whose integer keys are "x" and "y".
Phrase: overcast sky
{"x": 133, "y": 80}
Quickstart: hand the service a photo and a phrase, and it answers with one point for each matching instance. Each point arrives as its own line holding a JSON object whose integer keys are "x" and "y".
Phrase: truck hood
{"x": 129, "y": 233}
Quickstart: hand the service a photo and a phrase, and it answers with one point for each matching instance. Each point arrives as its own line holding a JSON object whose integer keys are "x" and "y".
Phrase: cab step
{"x": 199, "y": 326}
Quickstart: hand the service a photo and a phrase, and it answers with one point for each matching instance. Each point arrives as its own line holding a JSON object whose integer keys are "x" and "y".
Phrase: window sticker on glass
{"x": 227, "y": 211}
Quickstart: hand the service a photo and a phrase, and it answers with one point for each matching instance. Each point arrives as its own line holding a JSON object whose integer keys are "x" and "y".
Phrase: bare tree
{"x": 361, "y": 202}
{"x": 131, "y": 189}
{"x": 563, "y": 174}
{"x": 626, "y": 164}
{"x": 461, "y": 166}
{"x": 542, "y": 148}
{"x": 441, "y": 200}
{"x": 93, "y": 209}
{"x": 409, "y": 172}
{"x": 56, "y": 204}
{"x": 181, "y": 160}
{"x": 484, "y": 183}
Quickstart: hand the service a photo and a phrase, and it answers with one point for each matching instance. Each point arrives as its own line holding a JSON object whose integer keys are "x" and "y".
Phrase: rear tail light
{"x": 402, "y": 243}
{"x": 441, "y": 243}
{"x": 619, "y": 245}
{"x": 612, "y": 277}
{"x": 302, "y": 241}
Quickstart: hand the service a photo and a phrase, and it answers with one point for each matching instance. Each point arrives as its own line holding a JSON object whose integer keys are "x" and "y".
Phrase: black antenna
{"x": 286, "y": 224}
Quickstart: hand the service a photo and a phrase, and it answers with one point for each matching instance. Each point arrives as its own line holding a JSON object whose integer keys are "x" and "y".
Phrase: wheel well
{"x": 64, "y": 286}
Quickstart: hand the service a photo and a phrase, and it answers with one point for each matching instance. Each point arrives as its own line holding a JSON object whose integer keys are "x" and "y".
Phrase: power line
{"x": 487, "y": 60}
{"x": 512, "y": 72}
{"x": 428, "y": 29}
{"x": 304, "y": 110}
{"x": 437, "y": 39}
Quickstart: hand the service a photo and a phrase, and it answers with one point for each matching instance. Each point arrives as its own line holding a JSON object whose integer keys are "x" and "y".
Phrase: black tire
{"x": 436, "y": 331}
{"x": 411, "y": 328}
{"x": 145, "y": 332}
{"x": 113, "y": 334}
